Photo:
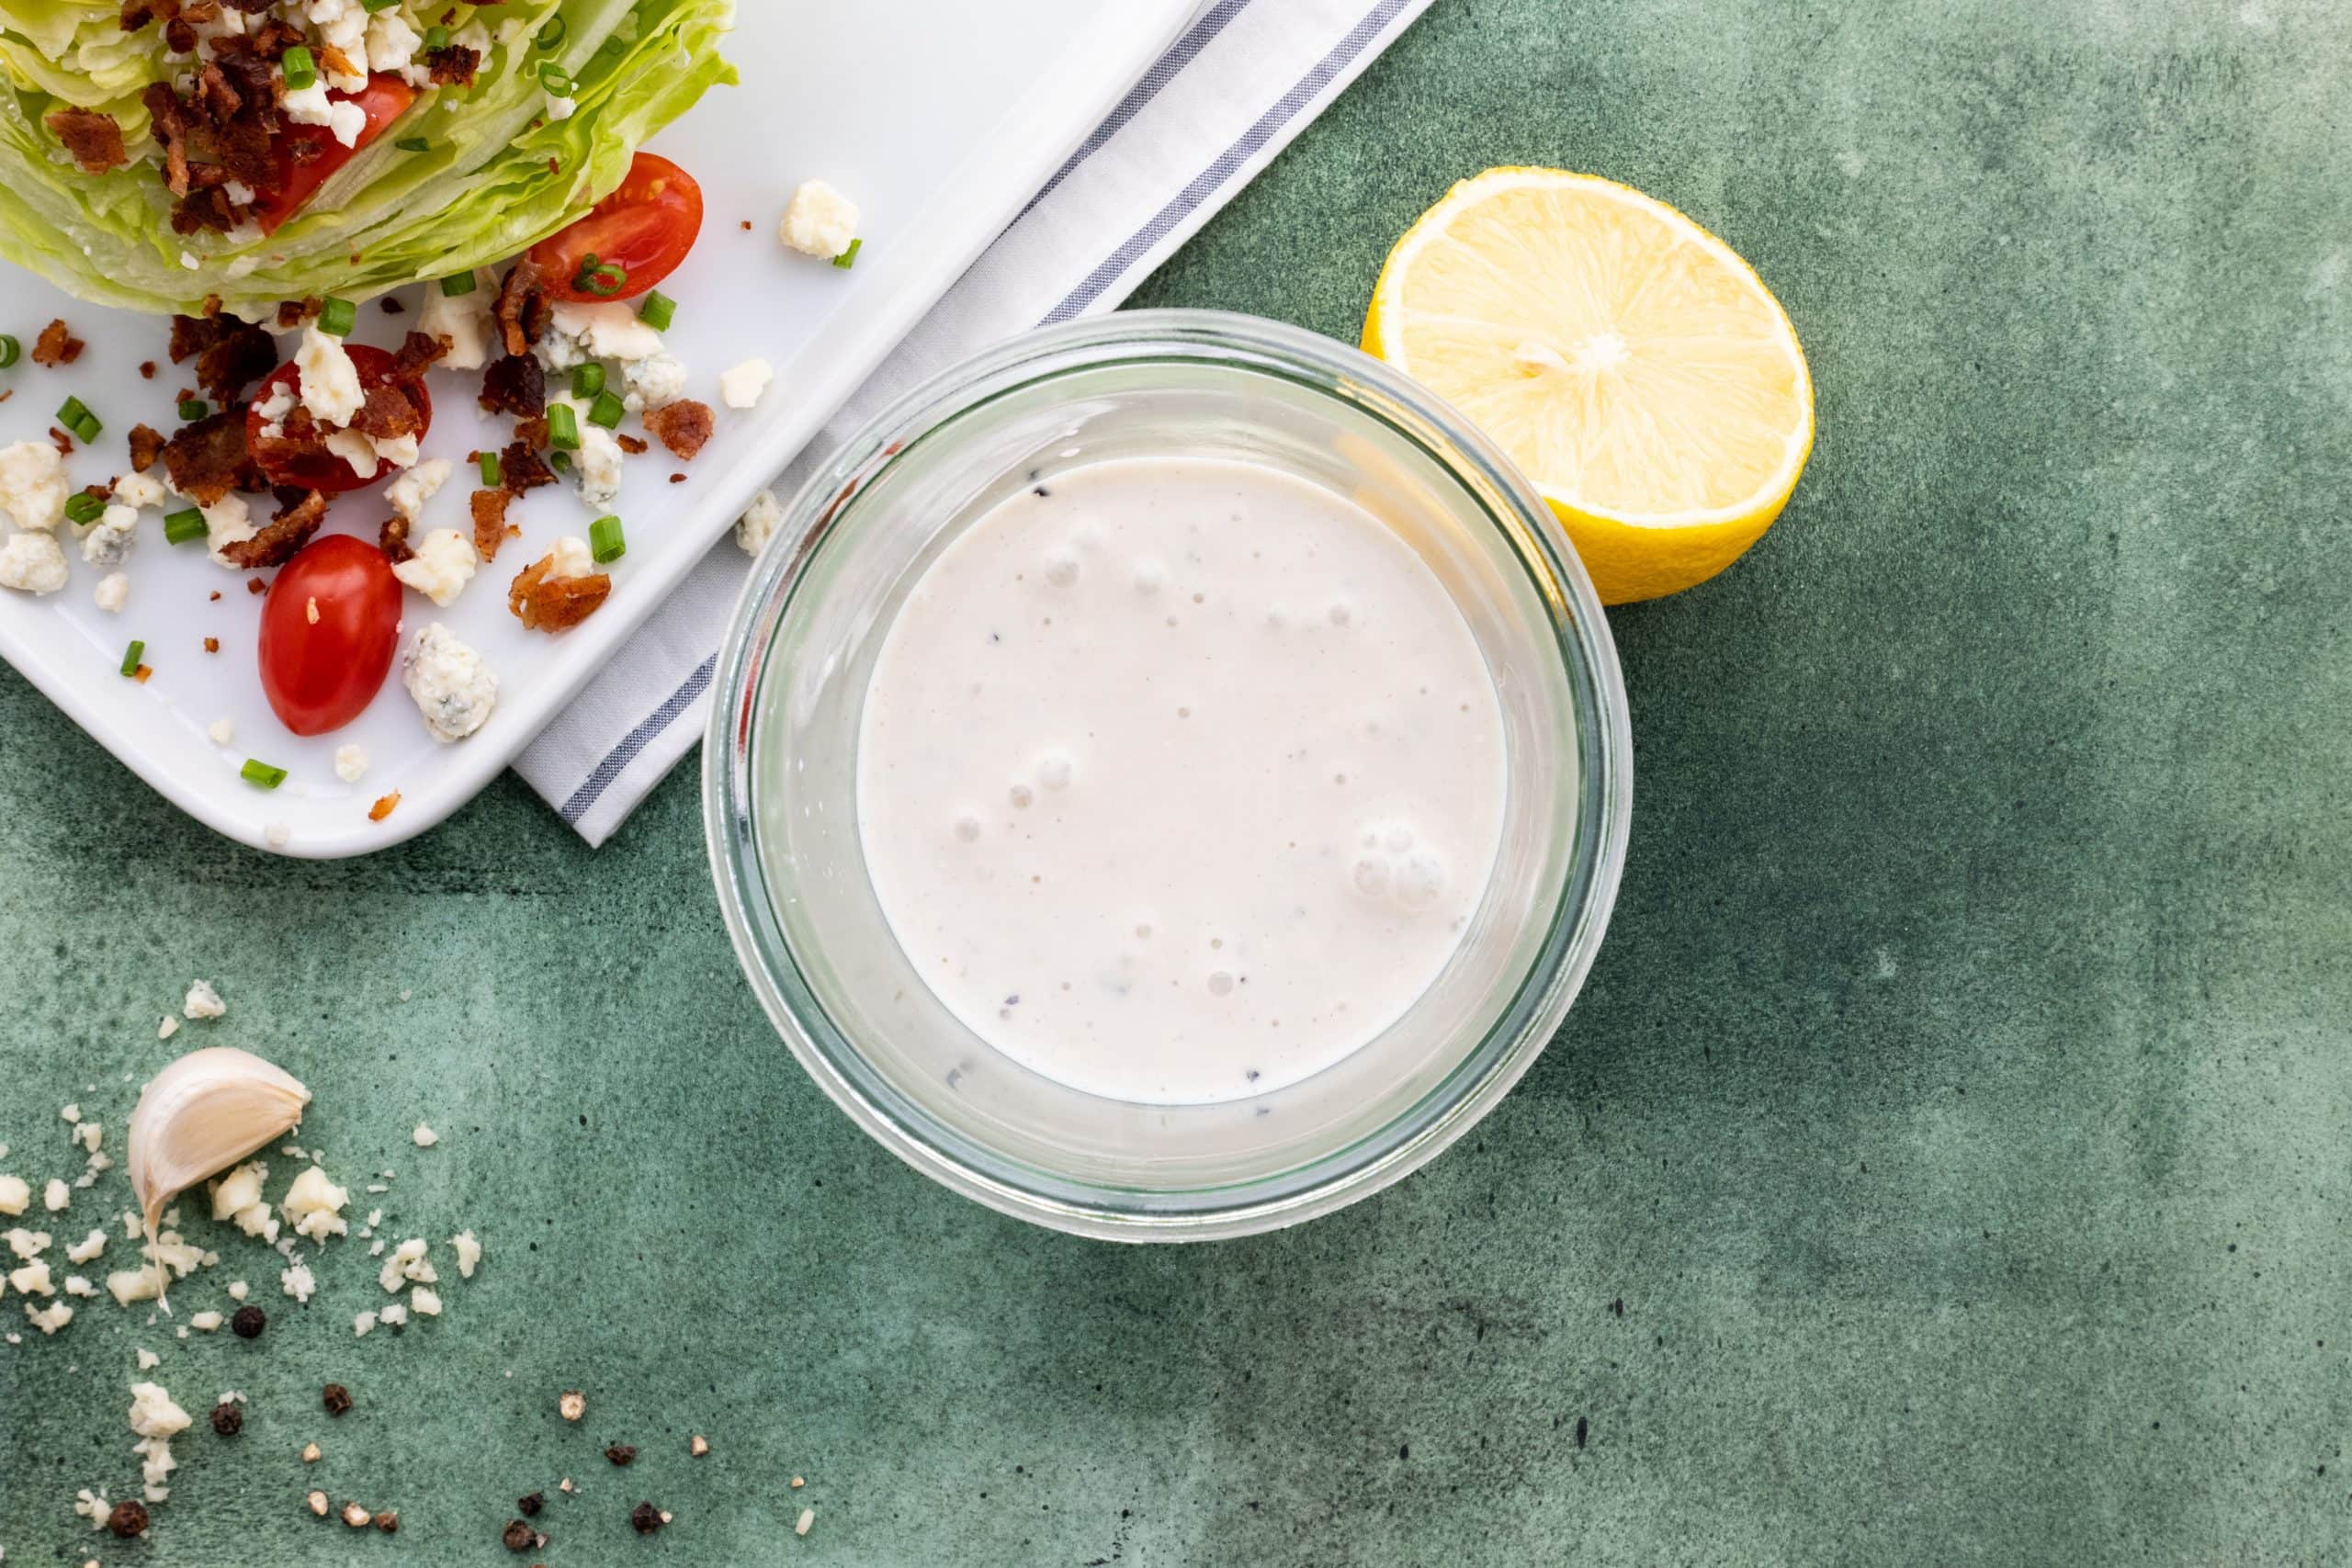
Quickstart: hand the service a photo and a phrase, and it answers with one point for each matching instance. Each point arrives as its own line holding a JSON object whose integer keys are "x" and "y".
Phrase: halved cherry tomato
{"x": 291, "y": 181}
{"x": 328, "y": 629}
{"x": 320, "y": 469}
{"x": 637, "y": 236}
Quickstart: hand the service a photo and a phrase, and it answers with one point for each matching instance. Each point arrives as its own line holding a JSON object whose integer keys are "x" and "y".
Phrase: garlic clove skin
{"x": 207, "y": 1111}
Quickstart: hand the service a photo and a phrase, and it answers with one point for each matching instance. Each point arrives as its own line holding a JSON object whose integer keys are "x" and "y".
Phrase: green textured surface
{"x": 1946, "y": 1162}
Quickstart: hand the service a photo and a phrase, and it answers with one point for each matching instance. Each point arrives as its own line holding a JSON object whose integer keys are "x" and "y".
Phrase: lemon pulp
{"x": 1629, "y": 361}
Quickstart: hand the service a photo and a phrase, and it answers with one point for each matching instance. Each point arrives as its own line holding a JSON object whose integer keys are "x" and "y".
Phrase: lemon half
{"x": 1631, "y": 363}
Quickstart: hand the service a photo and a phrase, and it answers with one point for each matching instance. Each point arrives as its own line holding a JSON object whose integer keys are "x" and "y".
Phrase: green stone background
{"x": 1958, "y": 1110}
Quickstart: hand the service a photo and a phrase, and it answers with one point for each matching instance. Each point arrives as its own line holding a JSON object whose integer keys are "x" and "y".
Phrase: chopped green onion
{"x": 564, "y": 428}
{"x": 555, "y": 79}
{"x": 612, "y": 47}
{"x": 131, "y": 657}
{"x": 72, "y": 411}
{"x": 457, "y": 285}
{"x": 436, "y": 37}
{"x": 193, "y": 409}
{"x": 374, "y": 5}
{"x": 9, "y": 349}
{"x": 181, "y": 526}
{"x": 598, "y": 277}
{"x": 656, "y": 311}
{"x": 588, "y": 379}
{"x": 412, "y": 144}
{"x": 607, "y": 411}
{"x": 551, "y": 36}
{"x": 490, "y": 471}
{"x": 258, "y": 772}
{"x": 559, "y": 461}
{"x": 604, "y": 541}
{"x": 88, "y": 429}
{"x": 299, "y": 68}
{"x": 848, "y": 258}
{"x": 337, "y": 317}
{"x": 83, "y": 509}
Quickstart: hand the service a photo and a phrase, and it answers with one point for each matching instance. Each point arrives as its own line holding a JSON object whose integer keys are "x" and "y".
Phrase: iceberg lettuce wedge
{"x": 496, "y": 170}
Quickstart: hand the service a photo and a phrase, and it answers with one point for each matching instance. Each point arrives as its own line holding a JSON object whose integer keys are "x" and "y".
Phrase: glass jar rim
{"x": 1580, "y": 640}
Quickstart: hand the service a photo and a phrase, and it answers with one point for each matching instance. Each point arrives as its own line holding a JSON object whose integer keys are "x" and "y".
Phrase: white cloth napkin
{"x": 1245, "y": 77}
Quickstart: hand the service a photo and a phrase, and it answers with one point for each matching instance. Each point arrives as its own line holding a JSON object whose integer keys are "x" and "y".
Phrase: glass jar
{"x": 779, "y": 772}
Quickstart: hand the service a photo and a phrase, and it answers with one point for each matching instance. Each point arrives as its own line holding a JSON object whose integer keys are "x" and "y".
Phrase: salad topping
{"x": 263, "y": 444}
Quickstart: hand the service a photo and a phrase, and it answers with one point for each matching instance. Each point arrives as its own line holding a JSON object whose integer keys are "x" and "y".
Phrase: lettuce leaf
{"x": 497, "y": 176}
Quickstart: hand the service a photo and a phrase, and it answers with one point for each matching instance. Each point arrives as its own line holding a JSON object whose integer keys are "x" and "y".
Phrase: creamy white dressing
{"x": 1178, "y": 779}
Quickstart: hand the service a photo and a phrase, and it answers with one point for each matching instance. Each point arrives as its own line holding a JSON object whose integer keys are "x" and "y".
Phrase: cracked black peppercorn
{"x": 532, "y": 1504}
{"x": 336, "y": 1397}
{"x": 621, "y": 1453}
{"x": 519, "y": 1537}
{"x": 227, "y": 1419}
{"x": 128, "y": 1520}
{"x": 248, "y": 1323}
{"x": 645, "y": 1519}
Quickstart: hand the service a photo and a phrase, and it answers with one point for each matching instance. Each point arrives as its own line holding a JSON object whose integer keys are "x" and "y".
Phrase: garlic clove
{"x": 208, "y": 1110}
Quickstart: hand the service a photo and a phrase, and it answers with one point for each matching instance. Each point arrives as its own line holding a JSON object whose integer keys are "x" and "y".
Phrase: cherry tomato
{"x": 643, "y": 230}
{"x": 319, "y": 673}
{"x": 318, "y": 469}
{"x": 291, "y": 183}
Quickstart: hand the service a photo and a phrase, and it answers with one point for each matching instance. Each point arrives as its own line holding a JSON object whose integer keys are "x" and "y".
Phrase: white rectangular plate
{"x": 939, "y": 118}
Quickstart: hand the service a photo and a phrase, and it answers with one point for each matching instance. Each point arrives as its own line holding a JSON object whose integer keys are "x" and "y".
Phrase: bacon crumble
{"x": 208, "y": 458}
{"x": 146, "y": 445}
{"x": 521, "y": 468}
{"x": 418, "y": 352}
{"x": 224, "y": 129}
{"x": 546, "y": 602}
{"x": 388, "y": 413}
{"x": 229, "y": 354}
{"x": 491, "y": 527}
{"x": 683, "y": 426}
{"x": 94, "y": 138}
{"x": 521, "y": 309}
{"x": 452, "y": 65}
{"x": 56, "y": 346}
{"x": 337, "y": 63}
{"x": 515, "y": 384}
{"x": 392, "y": 539}
{"x": 289, "y": 530}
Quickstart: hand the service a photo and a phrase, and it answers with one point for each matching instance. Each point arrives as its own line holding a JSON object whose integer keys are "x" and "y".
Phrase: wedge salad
{"x": 159, "y": 153}
{"x": 353, "y": 210}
